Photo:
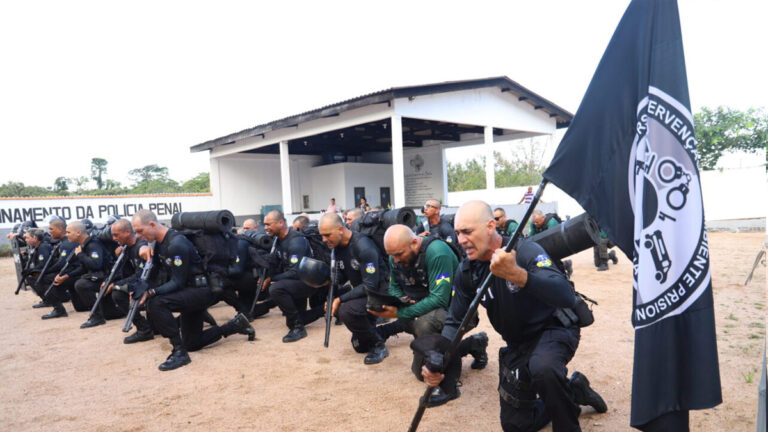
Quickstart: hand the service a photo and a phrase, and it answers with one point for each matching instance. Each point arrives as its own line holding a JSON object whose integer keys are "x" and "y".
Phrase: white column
{"x": 215, "y": 181}
{"x": 285, "y": 177}
{"x": 398, "y": 172}
{"x": 490, "y": 160}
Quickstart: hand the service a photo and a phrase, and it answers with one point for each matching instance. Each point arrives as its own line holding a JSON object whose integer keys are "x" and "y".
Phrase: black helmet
{"x": 314, "y": 273}
{"x": 88, "y": 224}
{"x": 377, "y": 299}
{"x": 112, "y": 219}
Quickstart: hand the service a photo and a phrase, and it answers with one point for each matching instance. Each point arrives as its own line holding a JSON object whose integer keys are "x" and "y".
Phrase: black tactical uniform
{"x": 288, "y": 291}
{"x": 538, "y": 345}
{"x": 239, "y": 293}
{"x": 95, "y": 263}
{"x": 38, "y": 257}
{"x": 181, "y": 287}
{"x": 442, "y": 230}
{"x": 66, "y": 290}
{"x": 132, "y": 267}
{"x": 363, "y": 266}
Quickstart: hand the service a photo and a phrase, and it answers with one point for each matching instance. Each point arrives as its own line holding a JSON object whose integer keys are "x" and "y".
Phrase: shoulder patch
{"x": 294, "y": 259}
{"x": 237, "y": 258}
{"x": 177, "y": 261}
{"x": 449, "y": 239}
{"x": 543, "y": 261}
{"x": 443, "y": 277}
{"x": 41, "y": 258}
{"x": 370, "y": 268}
{"x": 95, "y": 255}
{"x": 63, "y": 252}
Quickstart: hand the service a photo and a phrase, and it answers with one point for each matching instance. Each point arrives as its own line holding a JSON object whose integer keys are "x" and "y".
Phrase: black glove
{"x": 140, "y": 288}
{"x": 430, "y": 343}
{"x": 434, "y": 361}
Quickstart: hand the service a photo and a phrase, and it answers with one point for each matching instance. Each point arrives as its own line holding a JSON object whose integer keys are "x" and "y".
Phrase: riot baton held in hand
{"x": 472, "y": 311}
{"x": 54, "y": 252}
{"x": 135, "y": 301}
{"x": 107, "y": 281}
{"x": 262, "y": 279}
{"x": 329, "y": 302}
{"x": 61, "y": 272}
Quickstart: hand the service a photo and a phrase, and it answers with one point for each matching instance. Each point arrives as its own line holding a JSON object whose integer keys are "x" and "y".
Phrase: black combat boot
{"x": 377, "y": 354}
{"x": 441, "y": 397}
{"x": 208, "y": 318}
{"x": 96, "y": 320}
{"x": 612, "y": 256}
{"x": 143, "y": 332}
{"x": 42, "y": 304}
{"x": 479, "y": 350}
{"x": 239, "y": 324}
{"x": 57, "y": 312}
{"x": 583, "y": 394}
{"x": 297, "y": 332}
{"x": 177, "y": 359}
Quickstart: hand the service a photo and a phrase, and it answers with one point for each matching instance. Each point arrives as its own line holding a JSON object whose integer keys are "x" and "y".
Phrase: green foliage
{"x": 6, "y": 251}
{"x": 18, "y": 189}
{"x": 724, "y": 130}
{"x": 467, "y": 176}
{"x": 198, "y": 183}
{"x": 522, "y": 171}
{"x": 98, "y": 169}
{"x": 60, "y": 185}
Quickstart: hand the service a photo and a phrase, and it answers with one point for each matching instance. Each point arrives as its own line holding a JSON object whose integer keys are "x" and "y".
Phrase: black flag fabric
{"x": 629, "y": 158}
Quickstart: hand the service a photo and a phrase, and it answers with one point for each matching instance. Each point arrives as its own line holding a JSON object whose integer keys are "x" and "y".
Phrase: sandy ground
{"x": 57, "y": 377}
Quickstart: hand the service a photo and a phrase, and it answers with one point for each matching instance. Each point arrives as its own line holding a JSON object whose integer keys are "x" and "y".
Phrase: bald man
{"x": 363, "y": 266}
{"x": 541, "y": 222}
{"x": 95, "y": 263}
{"x": 421, "y": 270}
{"x": 63, "y": 288}
{"x": 352, "y": 215}
{"x": 125, "y": 284}
{"x": 521, "y": 303}
{"x": 250, "y": 224}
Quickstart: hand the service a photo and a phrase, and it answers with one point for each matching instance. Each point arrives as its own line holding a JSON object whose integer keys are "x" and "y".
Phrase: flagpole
{"x": 472, "y": 311}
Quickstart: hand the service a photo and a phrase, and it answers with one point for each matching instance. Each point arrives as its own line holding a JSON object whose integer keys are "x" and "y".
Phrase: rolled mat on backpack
{"x": 209, "y": 221}
{"x": 570, "y": 237}
{"x": 404, "y": 216}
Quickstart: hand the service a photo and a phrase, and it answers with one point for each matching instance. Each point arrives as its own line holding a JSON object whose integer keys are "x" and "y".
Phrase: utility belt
{"x": 515, "y": 378}
{"x": 94, "y": 276}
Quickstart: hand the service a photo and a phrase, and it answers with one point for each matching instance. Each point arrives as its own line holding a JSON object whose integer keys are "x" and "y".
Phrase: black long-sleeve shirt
{"x": 93, "y": 258}
{"x": 519, "y": 314}
{"x": 132, "y": 265}
{"x": 39, "y": 257}
{"x": 361, "y": 263}
{"x": 180, "y": 261}
{"x": 66, "y": 248}
{"x": 291, "y": 249}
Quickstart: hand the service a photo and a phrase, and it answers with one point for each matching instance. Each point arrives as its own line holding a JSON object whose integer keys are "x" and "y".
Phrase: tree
{"x": 98, "y": 169}
{"x": 724, "y": 130}
{"x": 152, "y": 179}
{"x": 78, "y": 182}
{"x": 467, "y": 176}
{"x": 18, "y": 189}
{"x": 148, "y": 173}
{"x": 198, "y": 183}
{"x": 60, "y": 185}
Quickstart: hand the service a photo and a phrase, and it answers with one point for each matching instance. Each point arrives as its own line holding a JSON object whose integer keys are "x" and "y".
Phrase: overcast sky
{"x": 140, "y": 82}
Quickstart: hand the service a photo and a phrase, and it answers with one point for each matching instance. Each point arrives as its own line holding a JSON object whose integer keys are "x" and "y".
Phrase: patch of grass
{"x": 759, "y": 306}
{"x": 732, "y": 317}
{"x": 754, "y": 336}
{"x": 730, "y": 325}
{"x": 755, "y": 325}
{"x": 748, "y": 377}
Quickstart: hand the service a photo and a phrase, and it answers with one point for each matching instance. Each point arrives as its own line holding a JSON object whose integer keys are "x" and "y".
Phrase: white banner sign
{"x": 97, "y": 209}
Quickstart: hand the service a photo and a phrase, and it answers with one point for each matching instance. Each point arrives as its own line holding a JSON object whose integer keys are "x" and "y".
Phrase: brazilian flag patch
{"x": 370, "y": 268}
{"x": 543, "y": 261}
{"x": 443, "y": 277}
{"x": 177, "y": 261}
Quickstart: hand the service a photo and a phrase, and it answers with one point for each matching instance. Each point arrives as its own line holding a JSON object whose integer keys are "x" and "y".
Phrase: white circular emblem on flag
{"x": 671, "y": 258}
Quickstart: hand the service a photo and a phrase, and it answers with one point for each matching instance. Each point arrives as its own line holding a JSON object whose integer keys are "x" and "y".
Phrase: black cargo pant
{"x": 239, "y": 294}
{"x": 192, "y": 303}
{"x": 362, "y": 324}
{"x": 87, "y": 289}
{"x": 62, "y": 292}
{"x": 122, "y": 301}
{"x": 538, "y": 368}
{"x": 291, "y": 296}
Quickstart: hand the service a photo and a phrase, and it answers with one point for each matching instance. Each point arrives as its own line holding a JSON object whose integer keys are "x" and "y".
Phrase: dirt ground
{"x": 58, "y": 377}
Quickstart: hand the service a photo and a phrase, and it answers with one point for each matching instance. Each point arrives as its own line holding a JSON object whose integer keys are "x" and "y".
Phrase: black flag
{"x": 629, "y": 158}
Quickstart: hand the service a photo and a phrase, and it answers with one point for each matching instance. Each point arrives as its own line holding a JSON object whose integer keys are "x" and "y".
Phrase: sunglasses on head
{"x": 497, "y": 218}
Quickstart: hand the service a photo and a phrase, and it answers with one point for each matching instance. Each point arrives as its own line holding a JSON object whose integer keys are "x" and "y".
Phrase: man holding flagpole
{"x": 633, "y": 141}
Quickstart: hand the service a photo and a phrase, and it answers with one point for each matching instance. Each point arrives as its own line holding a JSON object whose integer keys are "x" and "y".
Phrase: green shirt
{"x": 441, "y": 263}
{"x": 552, "y": 222}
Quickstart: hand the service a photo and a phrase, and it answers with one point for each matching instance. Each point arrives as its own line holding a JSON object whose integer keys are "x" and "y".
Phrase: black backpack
{"x": 320, "y": 250}
{"x": 217, "y": 250}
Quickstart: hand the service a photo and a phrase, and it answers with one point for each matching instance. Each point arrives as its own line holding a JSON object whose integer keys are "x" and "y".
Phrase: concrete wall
{"x": 371, "y": 177}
